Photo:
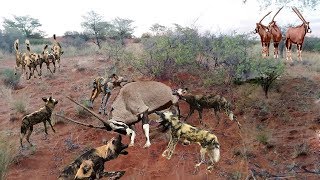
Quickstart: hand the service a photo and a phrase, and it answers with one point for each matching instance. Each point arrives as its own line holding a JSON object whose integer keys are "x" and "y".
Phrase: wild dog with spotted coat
{"x": 208, "y": 141}
{"x": 47, "y": 58}
{"x": 105, "y": 86}
{"x": 19, "y": 60}
{"x": 42, "y": 115}
{"x": 57, "y": 50}
{"x": 90, "y": 165}
{"x": 87, "y": 171}
{"x": 207, "y": 101}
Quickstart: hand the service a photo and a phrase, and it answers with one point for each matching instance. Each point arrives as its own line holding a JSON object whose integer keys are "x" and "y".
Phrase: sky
{"x": 218, "y": 16}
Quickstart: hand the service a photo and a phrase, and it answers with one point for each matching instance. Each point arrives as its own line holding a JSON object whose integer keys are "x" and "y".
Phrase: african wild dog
{"x": 105, "y": 86}
{"x": 19, "y": 60}
{"x": 46, "y": 57}
{"x": 98, "y": 156}
{"x": 30, "y": 60}
{"x": 207, "y": 140}
{"x": 42, "y": 115}
{"x": 200, "y": 102}
{"x": 57, "y": 50}
{"x": 87, "y": 171}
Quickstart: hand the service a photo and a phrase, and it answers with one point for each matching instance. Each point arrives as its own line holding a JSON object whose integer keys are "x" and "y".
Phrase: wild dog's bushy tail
{"x": 16, "y": 45}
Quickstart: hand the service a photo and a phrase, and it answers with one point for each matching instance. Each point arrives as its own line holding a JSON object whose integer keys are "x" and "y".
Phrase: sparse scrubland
{"x": 274, "y": 101}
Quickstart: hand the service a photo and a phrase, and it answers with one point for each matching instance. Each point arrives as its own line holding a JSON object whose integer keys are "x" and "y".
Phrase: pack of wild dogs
{"x": 294, "y": 35}
{"x": 133, "y": 103}
{"x": 30, "y": 61}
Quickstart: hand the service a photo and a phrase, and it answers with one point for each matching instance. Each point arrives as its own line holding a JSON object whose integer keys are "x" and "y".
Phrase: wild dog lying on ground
{"x": 91, "y": 164}
{"x": 200, "y": 102}
{"x": 209, "y": 142}
{"x": 47, "y": 58}
{"x": 105, "y": 86}
{"x": 87, "y": 171}
{"x": 19, "y": 60}
{"x": 57, "y": 50}
{"x": 42, "y": 115}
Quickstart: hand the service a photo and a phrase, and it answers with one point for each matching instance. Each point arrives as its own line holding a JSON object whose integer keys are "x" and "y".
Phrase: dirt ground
{"x": 289, "y": 121}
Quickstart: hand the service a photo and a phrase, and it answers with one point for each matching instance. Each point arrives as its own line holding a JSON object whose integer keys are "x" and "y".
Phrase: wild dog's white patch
{"x": 231, "y": 116}
{"x": 216, "y": 154}
{"x": 168, "y": 115}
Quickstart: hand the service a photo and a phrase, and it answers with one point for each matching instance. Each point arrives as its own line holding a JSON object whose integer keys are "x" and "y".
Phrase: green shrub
{"x": 20, "y": 105}
{"x": 81, "y": 112}
{"x": 10, "y": 79}
{"x": 263, "y": 138}
{"x": 301, "y": 150}
{"x": 5, "y": 158}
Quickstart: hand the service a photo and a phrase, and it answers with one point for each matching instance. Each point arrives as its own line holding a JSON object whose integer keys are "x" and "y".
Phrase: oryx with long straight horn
{"x": 265, "y": 36}
{"x": 295, "y": 35}
{"x": 133, "y": 104}
{"x": 276, "y": 35}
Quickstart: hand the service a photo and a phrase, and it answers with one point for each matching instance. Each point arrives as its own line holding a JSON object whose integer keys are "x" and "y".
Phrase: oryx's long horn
{"x": 277, "y": 13}
{"x": 299, "y": 14}
{"x": 80, "y": 123}
{"x": 265, "y": 16}
{"x": 91, "y": 112}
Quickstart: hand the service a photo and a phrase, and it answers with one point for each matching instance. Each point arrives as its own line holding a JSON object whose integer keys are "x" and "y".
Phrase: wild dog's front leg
{"x": 45, "y": 127}
{"x": 165, "y": 152}
{"x": 49, "y": 120}
{"x": 112, "y": 175}
{"x": 172, "y": 147}
{"x": 191, "y": 111}
{"x": 145, "y": 126}
{"x": 202, "y": 157}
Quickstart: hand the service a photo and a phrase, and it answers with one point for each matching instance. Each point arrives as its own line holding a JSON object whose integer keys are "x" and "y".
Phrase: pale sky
{"x": 59, "y": 16}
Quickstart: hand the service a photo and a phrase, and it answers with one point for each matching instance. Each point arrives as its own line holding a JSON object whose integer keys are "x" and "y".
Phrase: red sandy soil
{"x": 241, "y": 152}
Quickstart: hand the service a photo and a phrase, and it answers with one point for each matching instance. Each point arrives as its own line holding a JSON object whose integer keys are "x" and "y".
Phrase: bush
{"x": 81, "y": 112}
{"x": 10, "y": 79}
{"x": 311, "y": 44}
{"x": 20, "y": 106}
{"x": 5, "y": 157}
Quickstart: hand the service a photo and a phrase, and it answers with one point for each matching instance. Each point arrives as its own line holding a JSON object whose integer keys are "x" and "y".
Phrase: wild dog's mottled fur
{"x": 42, "y": 115}
{"x": 57, "y": 50}
{"x": 208, "y": 141}
{"x": 46, "y": 57}
{"x": 200, "y": 102}
{"x": 31, "y": 60}
{"x": 19, "y": 60}
{"x": 101, "y": 84}
{"x": 98, "y": 156}
{"x": 87, "y": 171}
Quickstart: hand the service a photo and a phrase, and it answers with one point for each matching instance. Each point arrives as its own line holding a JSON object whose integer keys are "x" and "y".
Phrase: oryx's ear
{"x": 44, "y": 99}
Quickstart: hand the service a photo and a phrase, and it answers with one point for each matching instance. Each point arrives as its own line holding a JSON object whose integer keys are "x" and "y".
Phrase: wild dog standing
{"x": 42, "y": 115}
{"x": 209, "y": 142}
{"x": 90, "y": 165}
{"x": 30, "y": 60}
{"x": 200, "y": 102}
{"x": 101, "y": 84}
{"x": 47, "y": 58}
{"x": 57, "y": 51}
{"x": 19, "y": 60}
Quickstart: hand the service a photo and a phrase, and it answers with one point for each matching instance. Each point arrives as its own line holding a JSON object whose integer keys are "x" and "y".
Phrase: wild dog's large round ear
{"x": 44, "y": 99}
